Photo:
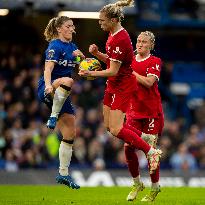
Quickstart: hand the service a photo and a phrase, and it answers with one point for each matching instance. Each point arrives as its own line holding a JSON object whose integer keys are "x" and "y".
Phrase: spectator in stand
{"x": 183, "y": 161}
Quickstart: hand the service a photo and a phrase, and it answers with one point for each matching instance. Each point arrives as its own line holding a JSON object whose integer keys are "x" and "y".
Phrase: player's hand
{"x": 84, "y": 73}
{"x": 78, "y": 53}
{"x": 49, "y": 89}
{"x": 93, "y": 49}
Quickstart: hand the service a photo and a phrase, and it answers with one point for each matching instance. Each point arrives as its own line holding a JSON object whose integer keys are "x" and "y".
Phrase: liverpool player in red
{"x": 121, "y": 83}
{"x": 145, "y": 112}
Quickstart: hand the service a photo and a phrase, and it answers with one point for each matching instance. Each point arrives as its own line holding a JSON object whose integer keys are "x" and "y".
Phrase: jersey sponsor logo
{"x": 66, "y": 63}
{"x": 51, "y": 53}
{"x": 117, "y": 50}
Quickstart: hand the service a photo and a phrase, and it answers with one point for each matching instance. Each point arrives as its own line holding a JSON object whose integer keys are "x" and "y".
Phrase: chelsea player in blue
{"x": 55, "y": 85}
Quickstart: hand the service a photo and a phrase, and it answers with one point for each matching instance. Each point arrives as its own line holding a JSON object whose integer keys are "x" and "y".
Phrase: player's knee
{"x": 67, "y": 82}
{"x": 70, "y": 136}
{"x": 69, "y": 133}
{"x": 114, "y": 130}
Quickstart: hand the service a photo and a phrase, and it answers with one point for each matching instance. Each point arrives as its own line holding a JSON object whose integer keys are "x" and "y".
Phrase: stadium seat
{"x": 188, "y": 73}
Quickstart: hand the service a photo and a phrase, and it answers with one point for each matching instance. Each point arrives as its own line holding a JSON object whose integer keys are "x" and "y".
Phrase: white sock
{"x": 59, "y": 98}
{"x": 136, "y": 180}
{"x": 65, "y": 153}
{"x": 155, "y": 185}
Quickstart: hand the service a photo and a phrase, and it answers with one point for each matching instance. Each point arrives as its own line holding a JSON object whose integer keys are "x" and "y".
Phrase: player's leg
{"x": 66, "y": 125}
{"x": 106, "y": 115}
{"x": 132, "y": 162}
{"x": 129, "y": 152}
{"x": 155, "y": 187}
{"x": 154, "y": 126}
{"x": 116, "y": 126}
{"x": 133, "y": 166}
{"x": 62, "y": 91}
{"x": 107, "y": 101}
{"x": 149, "y": 138}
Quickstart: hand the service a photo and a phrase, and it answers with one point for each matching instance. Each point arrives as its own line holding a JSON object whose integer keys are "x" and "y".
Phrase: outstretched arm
{"x": 112, "y": 71}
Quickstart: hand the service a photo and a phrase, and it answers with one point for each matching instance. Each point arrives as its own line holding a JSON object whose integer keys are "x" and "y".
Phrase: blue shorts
{"x": 67, "y": 106}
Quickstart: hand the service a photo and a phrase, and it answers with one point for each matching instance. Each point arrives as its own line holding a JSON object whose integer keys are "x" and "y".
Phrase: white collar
{"x": 117, "y": 31}
{"x": 142, "y": 59}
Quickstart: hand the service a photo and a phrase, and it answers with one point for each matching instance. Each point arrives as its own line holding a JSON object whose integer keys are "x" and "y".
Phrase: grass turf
{"x": 61, "y": 195}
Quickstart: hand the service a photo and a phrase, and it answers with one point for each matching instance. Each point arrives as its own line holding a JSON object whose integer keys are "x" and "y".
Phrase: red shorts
{"x": 117, "y": 101}
{"x": 148, "y": 125}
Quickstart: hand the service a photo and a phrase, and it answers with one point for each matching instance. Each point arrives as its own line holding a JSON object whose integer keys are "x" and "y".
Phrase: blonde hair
{"x": 151, "y": 36}
{"x": 116, "y": 10}
{"x": 51, "y": 32}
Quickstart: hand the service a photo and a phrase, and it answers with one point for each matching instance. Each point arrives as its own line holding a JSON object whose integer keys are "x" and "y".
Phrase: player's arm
{"x": 101, "y": 56}
{"x": 153, "y": 74}
{"x": 49, "y": 65}
{"x": 78, "y": 53}
{"x": 112, "y": 71}
{"x": 79, "y": 56}
{"x": 93, "y": 49}
{"x": 147, "y": 81}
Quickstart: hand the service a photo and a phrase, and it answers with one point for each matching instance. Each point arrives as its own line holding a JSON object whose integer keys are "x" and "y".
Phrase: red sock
{"x": 128, "y": 126}
{"x": 132, "y": 138}
{"x": 132, "y": 160}
{"x": 155, "y": 176}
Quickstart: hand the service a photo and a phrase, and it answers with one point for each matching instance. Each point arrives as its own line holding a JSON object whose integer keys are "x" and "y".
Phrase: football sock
{"x": 155, "y": 185}
{"x": 130, "y": 127}
{"x": 132, "y": 138}
{"x": 60, "y": 96}
{"x": 65, "y": 153}
{"x": 132, "y": 160}
{"x": 155, "y": 176}
{"x": 136, "y": 180}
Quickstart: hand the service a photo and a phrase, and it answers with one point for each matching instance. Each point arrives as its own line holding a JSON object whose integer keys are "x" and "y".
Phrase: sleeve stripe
{"x": 115, "y": 60}
{"x": 150, "y": 74}
{"x": 52, "y": 61}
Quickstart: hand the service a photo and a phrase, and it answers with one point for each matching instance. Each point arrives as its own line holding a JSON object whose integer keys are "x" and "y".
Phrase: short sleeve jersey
{"x": 119, "y": 48}
{"x": 146, "y": 102}
{"x": 61, "y": 53}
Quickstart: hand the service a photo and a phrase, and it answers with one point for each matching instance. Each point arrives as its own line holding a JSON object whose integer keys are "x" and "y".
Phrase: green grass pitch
{"x": 61, "y": 195}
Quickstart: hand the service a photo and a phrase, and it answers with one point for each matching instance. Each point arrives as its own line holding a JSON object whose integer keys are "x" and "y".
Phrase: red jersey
{"x": 119, "y": 48}
{"x": 146, "y": 102}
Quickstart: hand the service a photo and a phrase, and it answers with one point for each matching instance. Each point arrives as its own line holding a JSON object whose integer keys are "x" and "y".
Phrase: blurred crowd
{"x": 25, "y": 142}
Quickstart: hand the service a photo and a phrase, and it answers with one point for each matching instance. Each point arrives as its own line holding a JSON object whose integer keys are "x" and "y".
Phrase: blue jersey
{"x": 61, "y": 53}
